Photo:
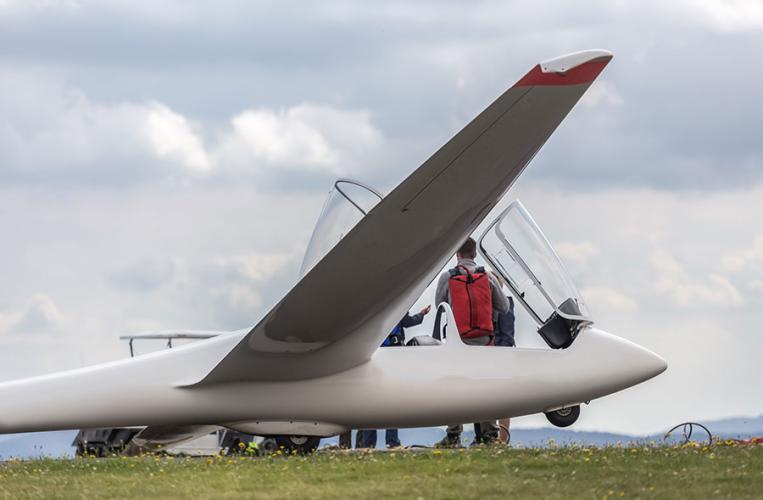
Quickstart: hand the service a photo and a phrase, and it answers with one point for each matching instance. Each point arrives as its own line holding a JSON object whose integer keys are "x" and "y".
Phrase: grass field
{"x": 644, "y": 472}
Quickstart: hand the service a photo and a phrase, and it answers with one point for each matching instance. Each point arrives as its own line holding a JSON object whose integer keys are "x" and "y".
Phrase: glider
{"x": 312, "y": 367}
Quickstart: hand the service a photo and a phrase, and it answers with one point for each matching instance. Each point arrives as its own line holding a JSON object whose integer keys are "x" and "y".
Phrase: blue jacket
{"x": 504, "y": 327}
{"x": 397, "y": 336}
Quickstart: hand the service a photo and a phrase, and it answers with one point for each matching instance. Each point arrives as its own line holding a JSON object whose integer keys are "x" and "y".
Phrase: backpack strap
{"x": 454, "y": 272}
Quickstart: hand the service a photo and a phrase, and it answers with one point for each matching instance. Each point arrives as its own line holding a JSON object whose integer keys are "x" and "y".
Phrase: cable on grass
{"x": 687, "y": 429}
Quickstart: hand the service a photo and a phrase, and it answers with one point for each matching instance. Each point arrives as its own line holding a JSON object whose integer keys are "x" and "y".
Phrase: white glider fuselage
{"x": 398, "y": 387}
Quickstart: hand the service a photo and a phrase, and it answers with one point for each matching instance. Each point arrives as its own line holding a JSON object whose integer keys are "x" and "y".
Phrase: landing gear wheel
{"x": 268, "y": 446}
{"x": 304, "y": 445}
{"x": 564, "y": 417}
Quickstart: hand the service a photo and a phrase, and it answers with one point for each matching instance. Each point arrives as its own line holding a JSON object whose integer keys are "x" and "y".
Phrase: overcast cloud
{"x": 162, "y": 165}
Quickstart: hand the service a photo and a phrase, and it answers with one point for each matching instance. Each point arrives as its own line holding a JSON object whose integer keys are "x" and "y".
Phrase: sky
{"x": 162, "y": 165}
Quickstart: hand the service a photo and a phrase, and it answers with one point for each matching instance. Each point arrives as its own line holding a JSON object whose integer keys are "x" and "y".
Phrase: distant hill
{"x": 58, "y": 444}
{"x": 738, "y": 427}
{"x": 525, "y": 437}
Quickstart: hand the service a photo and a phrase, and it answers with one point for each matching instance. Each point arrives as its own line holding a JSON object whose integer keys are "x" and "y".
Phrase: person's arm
{"x": 414, "y": 319}
{"x": 411, "y": 320}
{"x": 441, "y": 292}
{"x": 500, "y": 302}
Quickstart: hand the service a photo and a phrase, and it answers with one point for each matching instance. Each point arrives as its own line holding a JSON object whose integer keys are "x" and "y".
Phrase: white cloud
{"x": 602, "y": 95}
{"x": 749, "y": 259}
{"x": 239, "y": 297}
{"x": 144, "y": 275}
{"x": 576, "y": 253}
{"x": 41, "y": 315}
{"x": 725, "y": 15}
{"x": 606, "y": 298}
{"x": 687, "y": 290}
{"x": 282, "y": 138}
{"x": 306, "y": 136}
{"x": 652, "y": 246}
{"x": 49, "y": 127}
{"x": 666, "y": 264}
{"x": 255, "y": 268}
{"x": 36, "y": 5}
{"x": 237, "y": 287}
{"x": 173, "y": 136}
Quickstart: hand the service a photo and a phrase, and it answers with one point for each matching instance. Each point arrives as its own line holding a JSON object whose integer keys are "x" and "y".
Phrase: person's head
{"x": 468, "y": 249}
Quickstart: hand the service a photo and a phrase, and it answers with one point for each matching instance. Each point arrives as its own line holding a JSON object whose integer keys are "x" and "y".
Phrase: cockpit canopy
{"x": 518, "y": 250}
{"x": 347, "y": 203}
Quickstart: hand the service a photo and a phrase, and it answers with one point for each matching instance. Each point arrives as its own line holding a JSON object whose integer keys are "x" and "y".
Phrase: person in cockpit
{"x": 487, "y": 299}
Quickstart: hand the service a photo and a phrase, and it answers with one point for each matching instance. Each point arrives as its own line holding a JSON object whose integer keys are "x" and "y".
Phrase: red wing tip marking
{"x": 573, "y": 69}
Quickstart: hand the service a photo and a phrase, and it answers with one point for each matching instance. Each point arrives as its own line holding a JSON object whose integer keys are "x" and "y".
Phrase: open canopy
{"x": 518, "y": 250}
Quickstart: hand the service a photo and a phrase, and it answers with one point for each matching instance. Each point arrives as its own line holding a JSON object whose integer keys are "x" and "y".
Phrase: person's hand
{"x": 425, "y": 311}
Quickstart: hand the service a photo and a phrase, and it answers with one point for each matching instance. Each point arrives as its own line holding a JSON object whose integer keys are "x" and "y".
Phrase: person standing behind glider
{"x": 367, "y": 438}
{"x": 475, "y": 296}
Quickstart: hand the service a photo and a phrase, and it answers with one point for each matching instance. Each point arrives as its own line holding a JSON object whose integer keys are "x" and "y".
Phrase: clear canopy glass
{"x": 515, "y": 247}
{"x": 347, "y": 203}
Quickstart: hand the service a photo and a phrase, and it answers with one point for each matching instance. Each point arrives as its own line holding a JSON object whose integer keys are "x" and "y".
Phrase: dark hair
{"x": 468, "y": 249}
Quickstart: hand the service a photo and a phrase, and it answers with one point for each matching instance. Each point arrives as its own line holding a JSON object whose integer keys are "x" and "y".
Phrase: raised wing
{"x": 338, "y": 314}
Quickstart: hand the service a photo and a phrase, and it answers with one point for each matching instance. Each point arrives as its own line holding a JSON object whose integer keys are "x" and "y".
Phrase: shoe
{"x": 449, "y": 442}
{"x": 490, "y": 441}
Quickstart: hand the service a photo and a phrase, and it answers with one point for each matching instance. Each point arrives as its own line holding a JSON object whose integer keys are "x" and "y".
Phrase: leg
{"x": 455, "y": 430}
{"x": 505, "y": 433}
{"x": 477, "y": 433}
{"x": 392, "y": 438}
{"x": 345, "y": 440}
{"x": 453, "y": 437}
{"x": 367, "y": 439}
{"x": 489, "y": 432}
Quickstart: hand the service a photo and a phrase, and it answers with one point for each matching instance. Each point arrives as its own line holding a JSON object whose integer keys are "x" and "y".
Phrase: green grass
{"x": 641, "y": 472}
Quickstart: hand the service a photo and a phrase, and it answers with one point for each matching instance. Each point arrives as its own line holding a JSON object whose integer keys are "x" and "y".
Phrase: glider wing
{"x": 342, "y": 309}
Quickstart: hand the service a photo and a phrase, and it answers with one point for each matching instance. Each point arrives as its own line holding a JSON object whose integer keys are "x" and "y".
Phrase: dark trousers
{"x": 345, "y": 440}
{"x": 486, "y": 432}
{"x": 367, "y": 438}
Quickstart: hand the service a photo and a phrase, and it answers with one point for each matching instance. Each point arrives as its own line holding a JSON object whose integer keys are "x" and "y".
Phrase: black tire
{"x": 304, "y": 445}
{"x": 564, "y": 417}
{"x": 268, "y": 446}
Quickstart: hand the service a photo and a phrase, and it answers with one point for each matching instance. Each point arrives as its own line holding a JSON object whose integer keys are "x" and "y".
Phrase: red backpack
{"x": 472, "y": 302}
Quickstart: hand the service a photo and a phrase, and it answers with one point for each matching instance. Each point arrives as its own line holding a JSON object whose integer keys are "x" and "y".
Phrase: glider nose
{"x": 624, "y": 362}
{"x": 644, "y": 363}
